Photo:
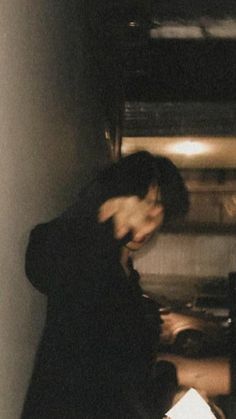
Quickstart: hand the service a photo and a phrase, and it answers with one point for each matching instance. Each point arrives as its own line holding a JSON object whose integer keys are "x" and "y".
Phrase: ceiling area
{"x": 174, "y": 63}
{"x": 168, "y": 68}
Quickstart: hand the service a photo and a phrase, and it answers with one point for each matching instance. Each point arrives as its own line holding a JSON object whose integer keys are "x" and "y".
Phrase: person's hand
{"x": 140, "y": 216}
{"x": 211, "y": 376}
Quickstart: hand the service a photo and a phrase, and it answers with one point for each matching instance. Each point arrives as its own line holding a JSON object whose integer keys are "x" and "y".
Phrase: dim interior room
{"x": 59, "y": 125}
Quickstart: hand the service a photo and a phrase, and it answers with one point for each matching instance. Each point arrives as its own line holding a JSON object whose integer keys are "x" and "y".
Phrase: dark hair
{"x": 134, "y": 174}
{"x": 174, "y": 193}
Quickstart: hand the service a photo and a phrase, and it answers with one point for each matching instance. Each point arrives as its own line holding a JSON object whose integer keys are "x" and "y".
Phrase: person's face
{"x": 141, "y": 217}
{"x": 153, "y": 220}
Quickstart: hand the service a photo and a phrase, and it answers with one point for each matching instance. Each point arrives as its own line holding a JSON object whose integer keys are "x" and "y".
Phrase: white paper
{"x": 191, "y": 406}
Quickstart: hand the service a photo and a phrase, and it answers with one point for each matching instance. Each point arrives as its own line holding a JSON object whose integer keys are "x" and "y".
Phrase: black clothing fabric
{"x": 98, "y": 346}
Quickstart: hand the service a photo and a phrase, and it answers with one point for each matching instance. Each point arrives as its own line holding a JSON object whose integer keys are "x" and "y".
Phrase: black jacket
{"x": 98, "y": 346}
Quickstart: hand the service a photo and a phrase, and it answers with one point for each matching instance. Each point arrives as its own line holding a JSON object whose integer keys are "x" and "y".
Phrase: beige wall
{"x": 42, "y": 164}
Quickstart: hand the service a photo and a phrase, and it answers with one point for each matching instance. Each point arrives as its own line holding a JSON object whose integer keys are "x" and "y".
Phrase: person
{"x": 98, "y": 348}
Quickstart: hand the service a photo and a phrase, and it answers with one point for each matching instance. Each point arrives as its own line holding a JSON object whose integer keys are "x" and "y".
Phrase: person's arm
{"x": 40, "y": 259}
{"x": 211, "y": 375}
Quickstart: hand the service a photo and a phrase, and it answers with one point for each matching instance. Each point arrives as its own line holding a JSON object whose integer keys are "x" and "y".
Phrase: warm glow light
{"x": 187, "y": 151}
{"x": 189, "y": 148}
{"x": 200, "y": 29}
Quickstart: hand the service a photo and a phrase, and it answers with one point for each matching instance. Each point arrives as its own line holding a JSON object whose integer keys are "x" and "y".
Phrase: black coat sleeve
{"x": 41, "y": 261}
